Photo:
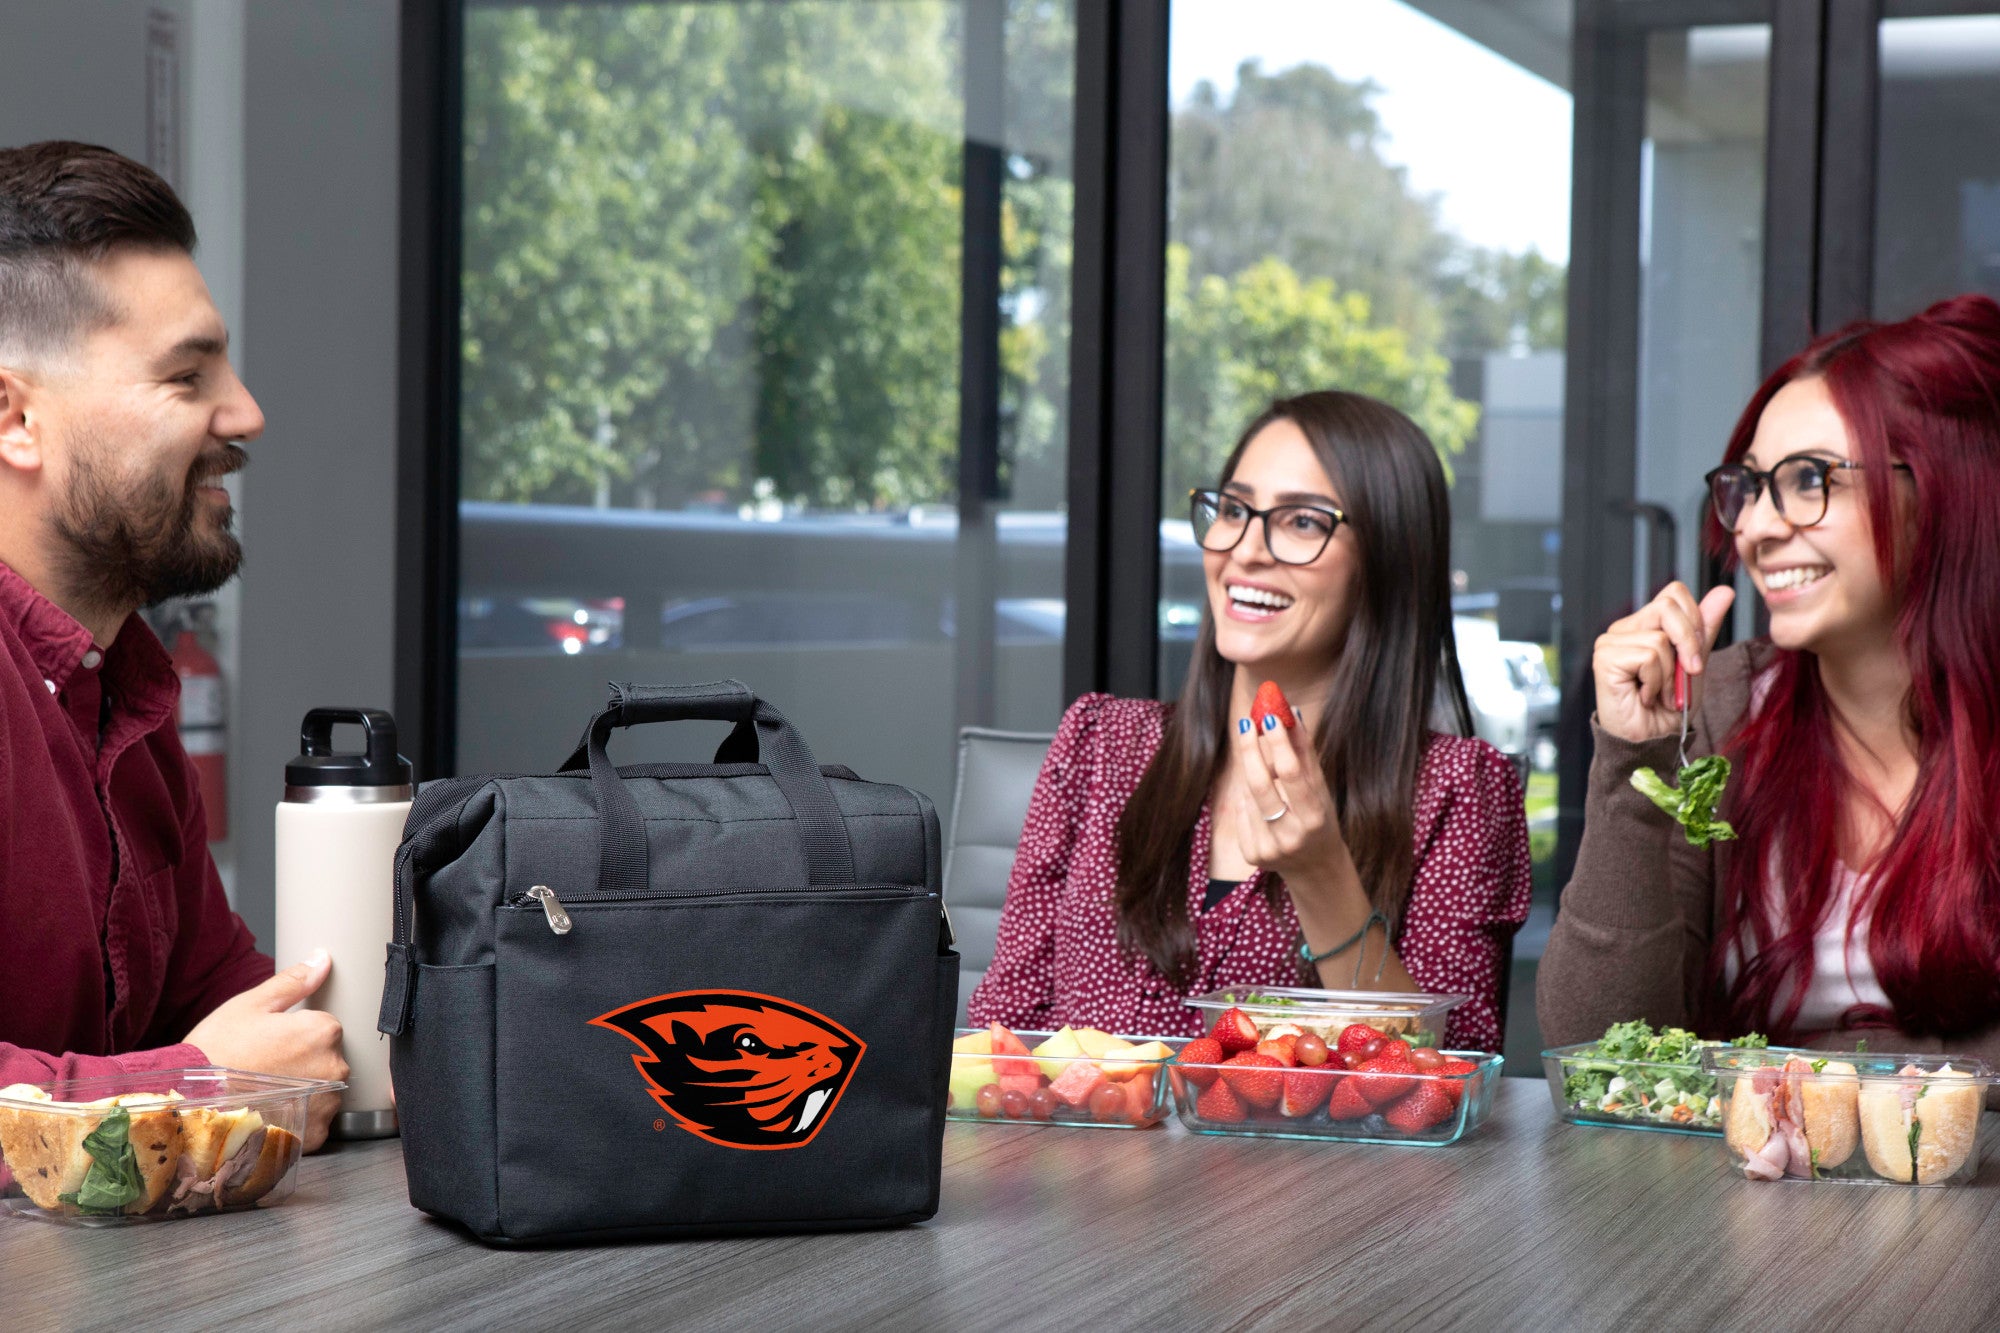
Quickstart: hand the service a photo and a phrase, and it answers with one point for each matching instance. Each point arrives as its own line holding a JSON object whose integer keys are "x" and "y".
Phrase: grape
{"x": 1042, "y": 1104}
{"x": 1374, "y": 1047}
{"x": 1310, "y": 1049}
{"x": 1108, "y": 1103}
{"x": 1014, "y": 1102}
{"x": 1352, "y": 1059}
{"x": 1425, "y": 1058}
{"x": 988, "y": 1100}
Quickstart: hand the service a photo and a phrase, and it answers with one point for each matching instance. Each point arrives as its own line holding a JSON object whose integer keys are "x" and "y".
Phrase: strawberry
{"x": 1219, "y": 1103}
{"x": 1306, "y": 1090}
{"x": 1279, "y": 1049}
{"x": 1384, "y": 1087}
{"x": 1347, "y": 1103}
{"x": 1200, "y": 1051}
{"x": 1283, "y": 1030}
{"x": 1235, "y": 1031}
{"x": 1397, "y": 1051}
{"x": 1255, "y": 1078}
{"x": 1271, "y": 702}
{"x": 1429, "y": 1105}
{"x": 1354, "y": 1036}
{"x": 1451, "y": 1073}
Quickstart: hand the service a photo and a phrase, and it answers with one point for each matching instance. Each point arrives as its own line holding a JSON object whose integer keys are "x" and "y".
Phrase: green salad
{"x": 1635, "y": 1074}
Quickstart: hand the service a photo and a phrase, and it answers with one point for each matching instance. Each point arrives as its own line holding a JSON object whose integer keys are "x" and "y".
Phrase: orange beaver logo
{"x": 740, "y": 1069}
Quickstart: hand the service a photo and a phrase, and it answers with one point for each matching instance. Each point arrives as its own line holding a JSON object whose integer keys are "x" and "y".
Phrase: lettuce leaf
{"x": 113, "y": 1179}
{"x": 1693, "y": 803}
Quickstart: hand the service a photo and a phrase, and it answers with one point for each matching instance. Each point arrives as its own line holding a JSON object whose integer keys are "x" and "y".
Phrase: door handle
{"x": 1662, "y": 536}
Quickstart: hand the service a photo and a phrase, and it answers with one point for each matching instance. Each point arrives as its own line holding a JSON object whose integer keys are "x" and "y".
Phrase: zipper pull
{"x": 559, "y": 922}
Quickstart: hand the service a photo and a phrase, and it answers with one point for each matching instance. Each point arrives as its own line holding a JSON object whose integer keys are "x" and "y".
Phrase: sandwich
{"x": 1923, "y": 1126}
{"x": 121, "y": 1160}
{"x": 232, "y": 1158}
{"x": 1795, "y": 1119}
{"x": 139, "y": 1153}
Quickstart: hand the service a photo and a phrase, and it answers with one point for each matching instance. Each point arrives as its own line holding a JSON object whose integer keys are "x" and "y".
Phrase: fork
{"x": 1681, "y": 702}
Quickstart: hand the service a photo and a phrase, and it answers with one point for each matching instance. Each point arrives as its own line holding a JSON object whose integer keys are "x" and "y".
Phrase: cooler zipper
{"x": 559, "y": 921}
{"x": 561, "y": 924}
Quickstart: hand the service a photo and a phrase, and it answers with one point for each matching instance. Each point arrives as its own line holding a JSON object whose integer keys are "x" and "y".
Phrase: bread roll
{"x": 1946, "y": 1117}
{"x": 1831, "y": 1100}
{"x": 280, "y": 1151}
{"x": 1747, "y": 1127}
{"x": 156, "y": 1142}
{"x": 45, "y": 1152}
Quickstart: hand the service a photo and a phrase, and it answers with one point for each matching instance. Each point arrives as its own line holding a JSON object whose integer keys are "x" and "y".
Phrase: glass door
{"x": 1937, "y": 158}
{"x": 763, "y": 370}
{"x": 1375, "y": 196}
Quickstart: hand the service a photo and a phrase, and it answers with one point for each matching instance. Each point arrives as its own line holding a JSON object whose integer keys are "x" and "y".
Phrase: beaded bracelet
{"x": 1311, "y": 959}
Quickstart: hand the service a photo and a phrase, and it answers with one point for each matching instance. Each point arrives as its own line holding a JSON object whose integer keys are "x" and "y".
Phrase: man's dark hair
{"x": 63, "y": 207}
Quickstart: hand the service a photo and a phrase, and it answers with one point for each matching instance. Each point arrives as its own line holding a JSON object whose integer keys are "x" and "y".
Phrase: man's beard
{"x": 147, "y": 545}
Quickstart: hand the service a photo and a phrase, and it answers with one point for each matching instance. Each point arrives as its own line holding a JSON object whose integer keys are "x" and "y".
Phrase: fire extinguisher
{"x": 202, "y": 730}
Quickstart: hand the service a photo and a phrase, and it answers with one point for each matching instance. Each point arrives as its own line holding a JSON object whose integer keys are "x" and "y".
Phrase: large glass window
{"x": 716, "y": 393}
{"x": 1937, "y": 173}
{"x": 1364, "y": 197}
{"x": 1701, "y": 246}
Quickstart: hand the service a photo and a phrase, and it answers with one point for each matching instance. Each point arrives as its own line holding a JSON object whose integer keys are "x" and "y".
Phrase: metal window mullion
{"x": 1848, "y": 124}
{"x": 977, "y": 550}
{"x": 1601, "y": 384}
{"x": 431, "y": 95}
{"x": 1118, "y": 341}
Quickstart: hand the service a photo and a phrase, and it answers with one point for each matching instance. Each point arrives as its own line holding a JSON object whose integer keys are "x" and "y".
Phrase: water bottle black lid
{"x": 318, "y": 766}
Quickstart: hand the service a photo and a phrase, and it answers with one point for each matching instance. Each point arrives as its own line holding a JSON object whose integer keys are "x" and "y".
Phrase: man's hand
{"x": 255, "y": 1032}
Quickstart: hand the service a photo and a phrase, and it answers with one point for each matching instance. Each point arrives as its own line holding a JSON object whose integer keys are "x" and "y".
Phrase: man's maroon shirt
{"x": 115, "y": 935}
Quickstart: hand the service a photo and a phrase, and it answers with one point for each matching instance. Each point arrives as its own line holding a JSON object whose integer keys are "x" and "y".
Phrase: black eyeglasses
{"x": 1800, "y": 485}
{"x": 1293, "y": 534}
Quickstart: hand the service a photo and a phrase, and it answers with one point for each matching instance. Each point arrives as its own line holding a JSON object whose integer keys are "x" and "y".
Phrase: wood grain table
{"x": 1528, "y": 1224}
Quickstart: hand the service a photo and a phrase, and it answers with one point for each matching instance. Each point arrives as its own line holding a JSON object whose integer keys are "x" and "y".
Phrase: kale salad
{"x": 1635, "y": 1076}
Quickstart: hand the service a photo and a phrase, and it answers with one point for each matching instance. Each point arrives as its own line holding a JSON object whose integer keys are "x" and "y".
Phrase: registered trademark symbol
{"x": 659, "y": 1125}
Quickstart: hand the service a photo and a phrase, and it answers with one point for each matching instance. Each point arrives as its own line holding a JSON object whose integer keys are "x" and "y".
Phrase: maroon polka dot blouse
{"x": 1057, "y": 959}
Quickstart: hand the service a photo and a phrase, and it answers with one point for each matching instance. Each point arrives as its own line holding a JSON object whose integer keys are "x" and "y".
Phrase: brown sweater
{"x": 1637, "y": 919}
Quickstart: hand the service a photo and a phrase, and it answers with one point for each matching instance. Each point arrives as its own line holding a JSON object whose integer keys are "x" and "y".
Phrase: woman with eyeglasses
{"x": 1175, "y": 849}
{"x": 1861, "y": 494}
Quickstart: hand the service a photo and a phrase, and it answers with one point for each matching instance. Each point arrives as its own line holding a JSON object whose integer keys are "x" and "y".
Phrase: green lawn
{"x": 1541, "y": 819}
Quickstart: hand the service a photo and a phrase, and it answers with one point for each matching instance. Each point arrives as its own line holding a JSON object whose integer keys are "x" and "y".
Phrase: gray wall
{"x": 75, "y": 71}
{"x": 318, "y": 525}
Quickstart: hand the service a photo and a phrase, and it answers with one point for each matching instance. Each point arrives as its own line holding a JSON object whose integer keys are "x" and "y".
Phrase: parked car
{"x": 1514, "y": 702}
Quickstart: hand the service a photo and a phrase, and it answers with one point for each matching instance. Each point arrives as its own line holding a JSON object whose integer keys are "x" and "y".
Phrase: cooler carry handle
{"x": 625, "y": 860}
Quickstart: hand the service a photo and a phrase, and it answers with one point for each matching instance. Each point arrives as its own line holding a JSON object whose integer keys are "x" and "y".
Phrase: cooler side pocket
{"x": 443, "y": 1071}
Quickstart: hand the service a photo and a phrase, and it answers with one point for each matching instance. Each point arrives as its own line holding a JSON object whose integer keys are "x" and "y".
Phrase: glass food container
{"x": 148, "y": 1147}
{"x": 1074, "y": 1076}
{"x": 1851, "y": 1118}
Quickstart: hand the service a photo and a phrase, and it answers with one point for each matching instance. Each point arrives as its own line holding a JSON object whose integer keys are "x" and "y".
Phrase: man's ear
{"x": 20, "y": 438}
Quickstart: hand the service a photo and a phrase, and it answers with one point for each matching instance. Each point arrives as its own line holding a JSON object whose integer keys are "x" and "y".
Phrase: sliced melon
{"x": 1055, "y": 1054}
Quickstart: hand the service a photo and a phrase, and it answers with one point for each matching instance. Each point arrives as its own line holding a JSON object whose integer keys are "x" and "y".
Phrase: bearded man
{"x": 120, "y": 414}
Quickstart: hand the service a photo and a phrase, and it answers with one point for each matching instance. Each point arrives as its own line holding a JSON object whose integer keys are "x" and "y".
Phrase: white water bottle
{"x": 338, "y": 829}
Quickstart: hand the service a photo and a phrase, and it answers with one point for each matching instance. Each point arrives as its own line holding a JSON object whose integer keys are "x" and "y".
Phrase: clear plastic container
{"x": 1589, "y": 1089}
{"x": 1417, "y": 1018}
{"x": 1115, "y": 1090}
{"x": 152, "y": 1146}
{"x": 1852, "y": 1118}
{"x": 1329, "y": 1102}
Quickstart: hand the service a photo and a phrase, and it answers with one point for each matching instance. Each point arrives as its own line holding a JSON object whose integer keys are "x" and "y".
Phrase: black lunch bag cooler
{"x": 671, "y": 999}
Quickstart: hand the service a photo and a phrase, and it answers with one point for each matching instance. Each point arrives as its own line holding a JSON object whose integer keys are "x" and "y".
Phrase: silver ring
{"x": 1283, "y": 810}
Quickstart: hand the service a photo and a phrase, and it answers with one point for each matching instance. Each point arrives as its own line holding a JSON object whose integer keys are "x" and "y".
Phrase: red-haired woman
{"x": 1861, "y": 491}
{"x": 1170, "y": 850}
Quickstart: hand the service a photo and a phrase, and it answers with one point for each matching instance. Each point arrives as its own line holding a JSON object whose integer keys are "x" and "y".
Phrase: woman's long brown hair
{"x": 1372, "y": 725}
